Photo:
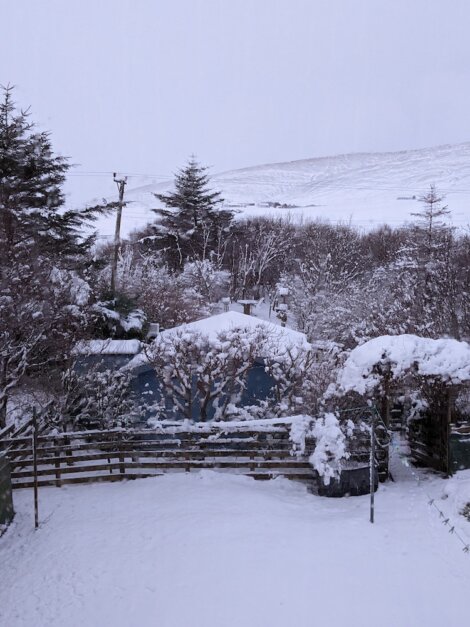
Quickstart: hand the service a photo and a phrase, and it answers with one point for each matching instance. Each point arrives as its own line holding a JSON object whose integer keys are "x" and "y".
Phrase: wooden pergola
{"x": 436, "y": 371}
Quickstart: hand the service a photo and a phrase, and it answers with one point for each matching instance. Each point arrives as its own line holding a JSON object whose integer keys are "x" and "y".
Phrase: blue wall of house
{"x": 148, "y": 390}
{"x": 102, "y": 362}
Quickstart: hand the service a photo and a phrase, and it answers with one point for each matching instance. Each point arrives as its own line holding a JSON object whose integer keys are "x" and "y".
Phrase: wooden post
{"x": 372, "y": 465}
{"x": 450, "y": 399}
{"x": 57, "y": 463}
{"x": 122, "y": 468}
{"x": 35, "y": 469}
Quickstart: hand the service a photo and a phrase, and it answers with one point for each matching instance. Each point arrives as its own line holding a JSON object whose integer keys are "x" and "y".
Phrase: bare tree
{"x": 204, "y": 377}
{"x": 261, "y": 250}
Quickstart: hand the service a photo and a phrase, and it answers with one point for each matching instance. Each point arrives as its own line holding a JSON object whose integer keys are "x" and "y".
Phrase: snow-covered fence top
{"x": 446, "y": 359}
{"x": 229, "y": 426}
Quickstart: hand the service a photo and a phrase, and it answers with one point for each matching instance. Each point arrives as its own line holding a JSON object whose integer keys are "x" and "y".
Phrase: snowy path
{"x": 217, "y": 550}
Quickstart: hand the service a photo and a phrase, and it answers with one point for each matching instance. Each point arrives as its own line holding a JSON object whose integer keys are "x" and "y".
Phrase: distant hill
{"x": 365, "y": 189}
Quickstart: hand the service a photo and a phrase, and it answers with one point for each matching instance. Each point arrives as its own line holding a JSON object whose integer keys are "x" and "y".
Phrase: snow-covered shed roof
{"x": 212, "y": 326}
{"x": 108, "y": 347}
{"x": 446, "y": 359}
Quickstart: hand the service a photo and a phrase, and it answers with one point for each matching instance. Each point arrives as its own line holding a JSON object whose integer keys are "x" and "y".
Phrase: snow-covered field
{"x": 220, "y": 550}
{"x": 365, "y": 189}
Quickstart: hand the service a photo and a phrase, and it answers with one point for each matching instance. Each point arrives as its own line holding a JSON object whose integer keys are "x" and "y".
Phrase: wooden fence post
{"x": 35, "y": 469}
{"x": 57, "y": 463}
{"x": 372, "y": 465}
{"x": 448, "y": 419}
{"x": 122, "y": 467}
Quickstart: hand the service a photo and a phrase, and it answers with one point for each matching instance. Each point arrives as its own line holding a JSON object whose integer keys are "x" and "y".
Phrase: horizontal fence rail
{"x": 263, "y": 450}
{"x": 93, "y": 456}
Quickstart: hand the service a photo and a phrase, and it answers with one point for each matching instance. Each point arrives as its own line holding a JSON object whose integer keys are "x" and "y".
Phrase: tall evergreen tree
{"x": 431, "y": 248}
{"x": 32, "y": 218}
{"x": 42, "y": 246}
{"x": 193, "y": 225}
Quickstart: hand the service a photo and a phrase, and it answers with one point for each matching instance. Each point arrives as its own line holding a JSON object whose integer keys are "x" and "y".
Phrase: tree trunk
{"x": 3, "y": 412}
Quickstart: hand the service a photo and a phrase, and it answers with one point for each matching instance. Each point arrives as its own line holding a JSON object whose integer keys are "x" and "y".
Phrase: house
{"x": 105, "y": 354}
{"x": 258, "y": 384}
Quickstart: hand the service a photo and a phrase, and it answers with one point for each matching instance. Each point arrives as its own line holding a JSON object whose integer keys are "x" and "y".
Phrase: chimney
{"x": 154, "y": 330}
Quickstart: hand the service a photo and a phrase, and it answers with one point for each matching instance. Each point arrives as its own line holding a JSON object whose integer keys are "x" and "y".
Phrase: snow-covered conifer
{"x": 193, "y": 222}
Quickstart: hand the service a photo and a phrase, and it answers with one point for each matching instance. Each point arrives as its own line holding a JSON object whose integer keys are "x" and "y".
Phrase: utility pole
{"x": 121, "y": 185}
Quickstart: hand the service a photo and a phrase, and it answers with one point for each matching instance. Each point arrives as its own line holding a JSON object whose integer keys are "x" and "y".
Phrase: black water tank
{"x": 353, "y": 481}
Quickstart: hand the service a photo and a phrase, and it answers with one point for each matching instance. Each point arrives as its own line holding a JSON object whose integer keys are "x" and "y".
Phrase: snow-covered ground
{"x": 219, "y": 550}
{"x": 365, "y": 189}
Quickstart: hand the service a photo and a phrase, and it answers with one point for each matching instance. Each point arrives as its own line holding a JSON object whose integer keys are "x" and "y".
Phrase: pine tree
{"x": 431, "y": 249}
{"x": 430, "y": 226}
{"x": 41, "y": 249}
{"x": 193, "y": 224}
{"x": 32, "y": 219}
{"x": 418, "y": 291}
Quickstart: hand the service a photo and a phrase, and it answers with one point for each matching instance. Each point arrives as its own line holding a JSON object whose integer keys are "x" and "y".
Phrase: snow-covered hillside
{"x": 362, "y": 189}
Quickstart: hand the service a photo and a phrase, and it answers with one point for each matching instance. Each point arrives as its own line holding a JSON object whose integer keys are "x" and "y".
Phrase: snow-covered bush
{"x": 64, "y": 279}
{"x": 118, "y": 318}
{"x": 202, "y": 376}
{"x": 301, "y": 376}
{"x": 96, "y": 397}
{"x": 330, "y": 443}
{"x": 330, "y": 447}
{"x": 299, "y": 431}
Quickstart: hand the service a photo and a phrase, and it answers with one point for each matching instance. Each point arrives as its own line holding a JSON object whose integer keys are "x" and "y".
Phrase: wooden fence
{"x": 429, "y": 438}
{"x": 114, "y": 455}
{"x": 460, "y": 446}
{"x": 13, "y": 431}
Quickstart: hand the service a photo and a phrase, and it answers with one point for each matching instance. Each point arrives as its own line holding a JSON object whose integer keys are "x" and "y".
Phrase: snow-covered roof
{"x": 446, "y": 359}
{"x": 213, "y": 326}
{"x": 108, "y": 347}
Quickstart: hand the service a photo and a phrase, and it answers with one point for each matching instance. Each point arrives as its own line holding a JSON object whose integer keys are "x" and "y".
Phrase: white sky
{"x": 139, "y": 85}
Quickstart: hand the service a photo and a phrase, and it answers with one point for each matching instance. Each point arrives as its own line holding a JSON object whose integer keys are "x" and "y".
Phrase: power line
{"x": 107, "y": 174}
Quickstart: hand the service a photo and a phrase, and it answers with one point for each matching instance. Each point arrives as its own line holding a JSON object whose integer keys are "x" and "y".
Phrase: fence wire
{"x": 445, "y": 520}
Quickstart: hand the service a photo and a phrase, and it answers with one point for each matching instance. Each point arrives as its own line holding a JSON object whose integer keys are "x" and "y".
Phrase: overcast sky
{"x": 138, "y": 85}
